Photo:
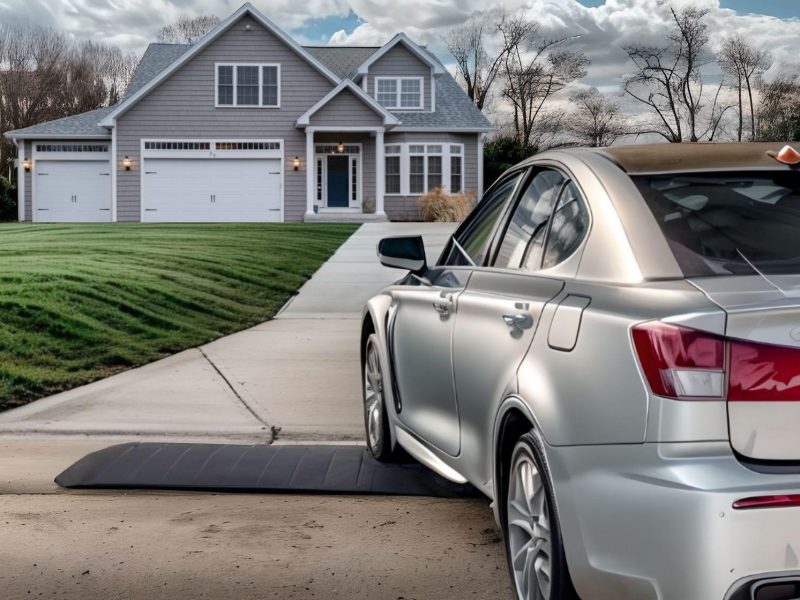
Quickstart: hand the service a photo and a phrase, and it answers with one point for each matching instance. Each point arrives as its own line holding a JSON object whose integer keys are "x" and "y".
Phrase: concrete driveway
{"x": 291, "y": 379}
{"x": 295, "y": 377}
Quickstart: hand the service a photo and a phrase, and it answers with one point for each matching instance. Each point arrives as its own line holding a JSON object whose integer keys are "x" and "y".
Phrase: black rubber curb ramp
{"x": 327, "y": 469}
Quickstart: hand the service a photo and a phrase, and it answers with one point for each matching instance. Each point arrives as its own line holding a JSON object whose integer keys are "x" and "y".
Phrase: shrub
{"x": 8, "y": 200}
{"x": 437, "y": 206}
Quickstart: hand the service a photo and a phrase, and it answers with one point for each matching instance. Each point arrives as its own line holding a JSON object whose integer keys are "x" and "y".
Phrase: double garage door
{"x": 199, "y": 190}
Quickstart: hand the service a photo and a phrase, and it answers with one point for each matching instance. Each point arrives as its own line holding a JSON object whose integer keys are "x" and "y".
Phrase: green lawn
{"x": 80, "y": 302}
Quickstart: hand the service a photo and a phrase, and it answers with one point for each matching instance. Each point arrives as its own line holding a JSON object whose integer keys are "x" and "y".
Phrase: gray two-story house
{"x": 248, "y": 125}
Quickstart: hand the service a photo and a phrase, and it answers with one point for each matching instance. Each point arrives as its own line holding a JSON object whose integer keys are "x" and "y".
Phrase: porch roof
{"x": 388, "y": 120}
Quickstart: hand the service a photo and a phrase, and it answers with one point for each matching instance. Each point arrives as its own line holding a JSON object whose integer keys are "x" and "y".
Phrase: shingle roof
{"x": 342, "y": 60}
{"x": 156, "y": 58}
{"x": 82, "y": 125}
{"x": 454, "y": 109}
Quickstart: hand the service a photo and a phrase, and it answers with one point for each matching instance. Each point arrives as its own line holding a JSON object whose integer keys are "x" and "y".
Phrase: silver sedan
{"x": 609, "y": 348}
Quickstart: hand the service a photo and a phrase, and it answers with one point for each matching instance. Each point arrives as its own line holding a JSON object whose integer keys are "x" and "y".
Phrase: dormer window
{"x": 248, "y": 85}
{"x": 399, "y": 93}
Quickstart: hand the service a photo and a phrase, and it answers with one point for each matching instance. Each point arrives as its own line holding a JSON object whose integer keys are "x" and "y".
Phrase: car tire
{"x": 376, "y": 420}
{"x": 534, "y": 549}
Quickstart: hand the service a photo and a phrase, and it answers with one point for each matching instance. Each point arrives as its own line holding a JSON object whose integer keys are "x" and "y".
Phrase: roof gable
{"x": 416, "y": 49}
{"x": 346, "y": 84}
{"x": 204, "y": 42}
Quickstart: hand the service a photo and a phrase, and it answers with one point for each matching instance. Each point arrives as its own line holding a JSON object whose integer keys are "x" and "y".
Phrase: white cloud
{"x": 603, "y": 29}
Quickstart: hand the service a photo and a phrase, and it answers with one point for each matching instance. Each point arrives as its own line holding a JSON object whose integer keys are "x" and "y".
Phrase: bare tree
{"x": 476, "y": 65}
{"x": 779, "y": 111}
{"x": 596, "y": 119}
{"x": 745, "y": 64}
{"x": 187, "y": 30}
{"x": 668, "y": 79}
{"x": 534, "y": 69}
{"x": 45, "y": 75}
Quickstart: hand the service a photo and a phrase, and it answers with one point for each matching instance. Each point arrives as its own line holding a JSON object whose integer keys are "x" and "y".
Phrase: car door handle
{"x": 444, "y": 305}
{"x": 519, "y": 321}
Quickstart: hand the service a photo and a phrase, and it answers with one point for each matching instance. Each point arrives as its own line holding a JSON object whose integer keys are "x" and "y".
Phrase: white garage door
{"x": 76, "y": 191}
{"x": 211, "y": 190}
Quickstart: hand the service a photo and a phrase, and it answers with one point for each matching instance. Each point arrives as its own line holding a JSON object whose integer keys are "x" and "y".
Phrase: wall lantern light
{"x": 26, "y": 164}
{"x": 340, "y": 148}
{"x": 296, "y": 163}
{"x": 126, "y": 162}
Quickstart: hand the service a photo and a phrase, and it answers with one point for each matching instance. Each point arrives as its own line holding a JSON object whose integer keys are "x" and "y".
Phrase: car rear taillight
{"x": 683, "y": 363}
{"x": 761, "y": 372}
{"x": 679, "y": 362}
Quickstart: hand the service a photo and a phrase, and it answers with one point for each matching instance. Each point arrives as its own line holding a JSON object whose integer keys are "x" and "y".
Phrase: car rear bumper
{"x": 655, "y": 521}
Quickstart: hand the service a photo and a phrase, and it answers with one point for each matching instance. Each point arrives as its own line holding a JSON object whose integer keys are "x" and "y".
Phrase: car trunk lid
{"x": 763, "y": 367}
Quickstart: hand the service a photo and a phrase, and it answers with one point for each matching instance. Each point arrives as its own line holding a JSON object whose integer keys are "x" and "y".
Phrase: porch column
{"x": 380, "y": 178}
{"x": 21, "y": 179}
{"x": 310, "y": 195}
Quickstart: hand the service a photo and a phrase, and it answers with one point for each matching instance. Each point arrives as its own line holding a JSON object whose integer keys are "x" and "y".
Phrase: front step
{"x": 344, "y": 217}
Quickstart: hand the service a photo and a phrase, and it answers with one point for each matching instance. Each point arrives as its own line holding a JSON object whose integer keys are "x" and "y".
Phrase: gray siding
{"x": 405, "y": 208}
{"x": 400, "y": 62}
{"x": 183, "y": 107}
{"x": 346, "y": 110}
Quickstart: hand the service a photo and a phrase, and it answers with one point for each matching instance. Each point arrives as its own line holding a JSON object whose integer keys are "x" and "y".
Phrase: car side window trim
{"x": 533, "y": 171}
{"x": 522, "y": 175}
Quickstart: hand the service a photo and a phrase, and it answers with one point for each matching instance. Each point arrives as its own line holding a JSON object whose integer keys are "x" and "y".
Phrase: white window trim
{"x": 398, "y": 92}
{"x": 405, "y": 165}
{"x": 260, "y": 84}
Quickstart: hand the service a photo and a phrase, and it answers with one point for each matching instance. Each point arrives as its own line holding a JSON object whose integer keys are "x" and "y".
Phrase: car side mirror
{"x": 403, "y": 253}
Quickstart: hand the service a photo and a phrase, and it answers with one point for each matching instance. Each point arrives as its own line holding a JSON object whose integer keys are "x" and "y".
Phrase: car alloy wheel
{"x": 376, "y": 420}
{"x": 536, "y": 559}
{"x": 529, "y": 541}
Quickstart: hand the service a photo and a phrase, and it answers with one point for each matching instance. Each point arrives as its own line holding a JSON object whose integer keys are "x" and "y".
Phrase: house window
{"x": 319, "y": 181}
{"x": 403, "y": 93}
{"x": 354, "y": 180}
{"x": 72, "y": 147}
{"x": 456, "y": 169}
{"x": 249, "y": 85}
{"x": 393, "y": 168}
{"x": 387, "y": 92}
{"x": 413, "y": 169}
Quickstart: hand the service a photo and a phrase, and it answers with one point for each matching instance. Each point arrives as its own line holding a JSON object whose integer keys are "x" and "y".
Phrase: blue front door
{"x": 338, "y": 187}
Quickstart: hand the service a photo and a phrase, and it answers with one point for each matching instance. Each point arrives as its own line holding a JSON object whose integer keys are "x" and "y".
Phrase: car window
{"x": 568, "y": 227}
{"x": 475, "y": 236}
{"x": 728, "y": 223}
{"x": 523, "y": 240}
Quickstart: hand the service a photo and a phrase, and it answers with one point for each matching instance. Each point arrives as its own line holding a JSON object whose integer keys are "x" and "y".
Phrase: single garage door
{"x": 73, "y": 191}
{"x": 211, "y": 190}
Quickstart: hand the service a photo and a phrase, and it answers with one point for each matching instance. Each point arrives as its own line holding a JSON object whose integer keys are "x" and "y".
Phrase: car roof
{"x": 666, "y": 158}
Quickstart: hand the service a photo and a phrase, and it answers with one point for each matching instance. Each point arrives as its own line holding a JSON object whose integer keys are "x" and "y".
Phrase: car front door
{"x": 421, "y": 321}
{"x": 500, "y": 308}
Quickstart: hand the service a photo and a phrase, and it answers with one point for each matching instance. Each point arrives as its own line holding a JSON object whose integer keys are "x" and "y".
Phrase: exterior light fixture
{"x": 126, "y": 162}
{"x": 340, "y": 148}
{"x": 26, "y": 164}
{"x": 296, "y": 163}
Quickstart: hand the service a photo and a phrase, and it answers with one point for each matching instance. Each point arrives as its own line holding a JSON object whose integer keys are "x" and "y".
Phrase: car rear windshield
{"x": 728, "y": 223}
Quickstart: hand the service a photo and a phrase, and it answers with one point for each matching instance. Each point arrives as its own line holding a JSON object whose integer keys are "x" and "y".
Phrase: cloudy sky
{"x": 604, "y": 25}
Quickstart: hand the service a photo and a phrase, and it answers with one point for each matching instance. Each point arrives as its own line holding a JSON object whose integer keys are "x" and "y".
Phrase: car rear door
{"x": 421, "y": 324}
{"x": 500, "y": 308}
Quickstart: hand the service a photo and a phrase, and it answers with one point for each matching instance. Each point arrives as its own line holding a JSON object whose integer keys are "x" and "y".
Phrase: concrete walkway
{"x": 295, "y": 377}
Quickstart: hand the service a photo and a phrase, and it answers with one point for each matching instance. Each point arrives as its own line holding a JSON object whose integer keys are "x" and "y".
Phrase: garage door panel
{"x": 76, "y": 191}
{"x": 211, "y": 190}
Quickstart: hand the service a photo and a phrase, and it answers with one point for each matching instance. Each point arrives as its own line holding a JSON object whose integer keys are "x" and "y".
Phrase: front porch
{"x": 344, "y": 174}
